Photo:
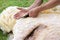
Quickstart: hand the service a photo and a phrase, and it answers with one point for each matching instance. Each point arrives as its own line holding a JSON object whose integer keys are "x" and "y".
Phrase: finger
{"x": 16, "y": 16}
{"x": 32, "y": 15}
{"x": 26, "y": 16}
{"x": 20, "y": 8}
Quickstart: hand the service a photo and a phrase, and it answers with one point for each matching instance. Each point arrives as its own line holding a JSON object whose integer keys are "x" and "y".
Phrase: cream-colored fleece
{"x": 24, "y": 26}
{"x": 6, "y": 18}
{"x": 49, "y": 18}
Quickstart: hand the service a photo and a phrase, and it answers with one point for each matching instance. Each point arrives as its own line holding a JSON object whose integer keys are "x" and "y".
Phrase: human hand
{"x": 33, "y": 12}
{"x": 20, "y": 13}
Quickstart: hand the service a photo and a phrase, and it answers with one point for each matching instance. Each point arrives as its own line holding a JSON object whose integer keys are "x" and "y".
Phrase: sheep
{"x": 47, "y": 24}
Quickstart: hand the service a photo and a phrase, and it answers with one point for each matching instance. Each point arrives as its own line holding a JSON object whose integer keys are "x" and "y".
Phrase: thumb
{"x": 26, "y": 15}
{"x": 20, "y": 8}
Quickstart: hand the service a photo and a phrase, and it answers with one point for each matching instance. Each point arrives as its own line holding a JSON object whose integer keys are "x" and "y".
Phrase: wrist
{"x": 39, "y": 9}
{"x": 35, "y": 4}
{"x": 42, "y": 7}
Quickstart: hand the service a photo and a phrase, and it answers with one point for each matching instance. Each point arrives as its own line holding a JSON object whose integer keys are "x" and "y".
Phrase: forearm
{"x": 48, "y": 5}
{"x": 35, "y": 4}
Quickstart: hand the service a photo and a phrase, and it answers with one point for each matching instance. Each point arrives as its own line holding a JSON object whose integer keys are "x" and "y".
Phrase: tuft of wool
{"x": 7, "y": 20}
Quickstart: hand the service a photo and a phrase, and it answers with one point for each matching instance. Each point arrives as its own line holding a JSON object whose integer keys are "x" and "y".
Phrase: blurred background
{"x": 6, "y": 3}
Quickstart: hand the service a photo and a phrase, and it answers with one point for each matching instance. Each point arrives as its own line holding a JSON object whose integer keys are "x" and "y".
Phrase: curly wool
{"x": 25, "y": 26}
{"x": 6, "y": 18}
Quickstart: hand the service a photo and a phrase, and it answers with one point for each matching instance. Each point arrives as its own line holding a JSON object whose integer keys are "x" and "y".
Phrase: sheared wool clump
{"x": 7, "y": 20}
{"x": 25, "y": 26}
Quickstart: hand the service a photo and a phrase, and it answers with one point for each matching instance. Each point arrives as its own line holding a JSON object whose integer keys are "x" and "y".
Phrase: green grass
{"x": 6, "y": 3}
{"x": 3, "y": 36}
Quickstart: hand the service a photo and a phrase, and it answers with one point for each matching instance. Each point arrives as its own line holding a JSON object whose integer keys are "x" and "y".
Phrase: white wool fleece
{"x": 6, "y": 18}
{"x": 24, "y": 26}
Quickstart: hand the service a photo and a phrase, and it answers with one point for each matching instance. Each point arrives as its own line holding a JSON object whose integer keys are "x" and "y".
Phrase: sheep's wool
{"x": 6, "y": 18}
{"x": 24, "y": 26}
{"x": 49, "y": 23}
